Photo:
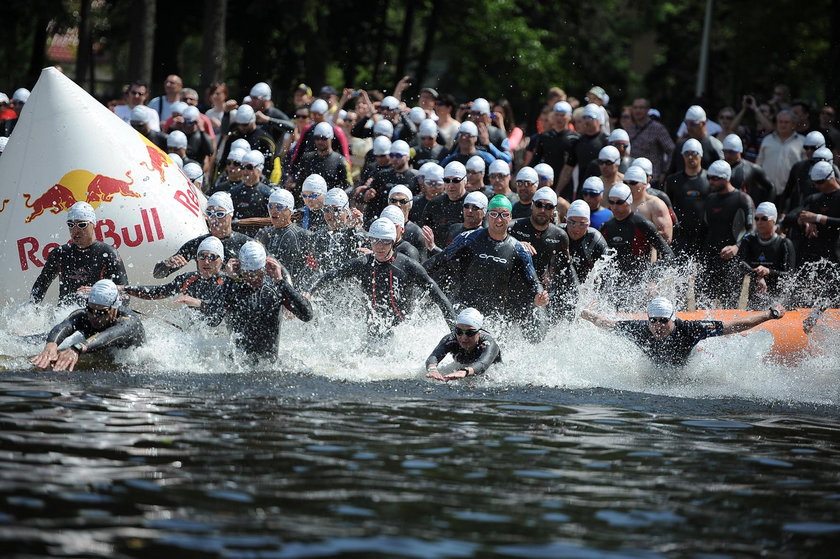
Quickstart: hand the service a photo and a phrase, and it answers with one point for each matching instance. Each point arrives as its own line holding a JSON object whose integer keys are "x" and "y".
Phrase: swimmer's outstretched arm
{"x": 598, "y": 320}
{"x": 746, "y": 322}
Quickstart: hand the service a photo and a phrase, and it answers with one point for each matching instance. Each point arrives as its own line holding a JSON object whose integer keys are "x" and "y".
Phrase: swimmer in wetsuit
{"x": 250, "y": 301}
{"x": 283, "y": 239}
{"x": 586, "y": 245}
{"x": 471, "y": 347}
{"x": 200, "y": 284}
{"x": 388, "y": 281}
{"x": 669, "y": 341}
{"x": 80, "y": 262}
{"x": 103, "y": 323}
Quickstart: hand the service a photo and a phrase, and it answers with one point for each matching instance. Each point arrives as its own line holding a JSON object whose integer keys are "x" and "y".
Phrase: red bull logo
{"x": 157, "y": 159}
{"x": 79, "y": 186}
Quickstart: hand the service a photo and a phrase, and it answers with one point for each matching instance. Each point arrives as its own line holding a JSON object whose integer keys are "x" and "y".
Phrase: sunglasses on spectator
{"x": 469, "y": 333}
{"x": 277, "y": 207}
{"x": 658, "y": 320}
{"x": 499, "y": 215}
{"x": 79, "y": 224}
{"x": 217, "y": 214}
{"x": 401, "y": 202}
{"x": 544, "y": 205}
{"x": 763, "y": 218}
{"x": 210, "y": 257}
{"x": 300, "y": 116}
{"x": 451, "y": 180}
{"x": 616, "y": 202}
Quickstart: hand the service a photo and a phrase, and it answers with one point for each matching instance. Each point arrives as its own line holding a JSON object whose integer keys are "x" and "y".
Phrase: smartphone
{"x": 354, "y": 94}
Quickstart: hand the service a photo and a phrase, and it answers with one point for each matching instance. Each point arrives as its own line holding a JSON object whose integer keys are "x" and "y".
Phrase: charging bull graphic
{"x": 79, "y": 185}
{"x": 157, "y": 159}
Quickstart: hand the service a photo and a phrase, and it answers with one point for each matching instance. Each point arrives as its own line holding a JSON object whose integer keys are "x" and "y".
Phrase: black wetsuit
{"x": 751, "y": 178}
{"x": 827, "y": 242}
{"x": 418, "y": 206}
{"x": 258, "y": 139}
{"x": 632, "y": 238}
{"x": 712, "y": 151}
{"x": 586, "y": 251}
{"x": 190, "y": 283}
{"x": 496, "y": 277}
{"x": 331, "y": 249}
{"x": 414, "y": 235}
{"x": 441, "y": 212}
{"x": 557, "y": 149}
{"x": 223, "y": 185}
{"x": 251, "y": 200}
{"x": 253, "y": 315}
{"x": 333, "y": 168}
{"x": 688, "y": 193}
{"x": 127, "y": 331}
{"x": 291, "y": 245}
{"x": 587, "y": 149}
{"x": 383, "y": 182}
{"x": 521, "y": 210}
{"x": 391, "y": 288}
{"x": 675, "y": 349}
{"x": 423, "y": 155}
{"x": 76, "y": 267}
{"x": 776, "y": 254}
{"x": 404, "y": 247}
{"x": 485, "y": 353}
{"x": 232, "y": 243}
{"x": 728, "y": 216}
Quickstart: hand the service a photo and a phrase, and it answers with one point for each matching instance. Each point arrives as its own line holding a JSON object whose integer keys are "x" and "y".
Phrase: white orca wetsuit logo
{"x": 493, "y": 258}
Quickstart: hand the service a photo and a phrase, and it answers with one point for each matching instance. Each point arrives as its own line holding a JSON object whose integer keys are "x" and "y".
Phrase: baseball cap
{"x": 621, "y": 192}
{"x": 381, "y": 145}
{"x": 544, "y": 171}
{"x": 695, "y": 112}
{"x": 814, "y": 139}
{"x": 401, "y": 189}
{"x": 304, "y": 88}
{"x": 618, "y": 135}
{"x": 768, "y": 209}
{"x": 383, "y": 228}
{"x": 733, "y": 143}
{"x": 644, "y": 163}
{"x": 476, "y": 198}
{"x": 546, "y": 193}
{"x": 105, "y": 293}
{"x": 319, "y": 106}
{"x": 634, "y": 173}
{"x": 454, "y": 169}
{"x": 822, "y": 154}
{"x": 692, "y": 145}
{"x": 417, "y": 115}
{"x": 336, "y": 197}
{"x": 390, "y": 102}
{"x": 211, "y": 244}
{"x": 81, "y": 211}
{"x": 578, "y": 208}
{"x": 563, "y": 107}
{"x": 328, "y": 90}
{"x": 470, "y": 317}
{"x": 430, "y": 91}
{"x": 719, "y": 168}
{"x": 822, "y": 170}
{"x": 394, "y": 214}
{"x": 252, "y": 256}
{"x": 401, "y": 147}
{"x": 609, "y": 153}
{"x": 283, "y": 196}
{"x": 428, "y": 128}
{"x": 245, "y": 115}
{"x": 475, "y": 163}
{"x": 599, "y": 92}
{"x": 221, "y": 200}
{"x": 527, "y": 174}
{"x": 593, "y": 185}
{"x": 176, "y": 139}
{"x": 500, "y": 201}
{"x": 383, "y": 128}
{"x": 592, "y": 111}
{"x": 480, "y": 105}
{"x": 242, "y": 144}
{"x": 254, "y": 157}
{"x": 500, "y": 166}
{"x": 314, "y": 183}
{"x": 194, "y": 172}
{"x": 260, "y": 91}
{"x": 4, "y": 99}
{"x": 469, "y": 128}
{"x": 660, "y": 307}
{"x": 324, "y": 129}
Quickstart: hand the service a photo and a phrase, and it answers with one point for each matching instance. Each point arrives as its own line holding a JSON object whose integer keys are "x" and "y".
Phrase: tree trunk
{"x": 39, "y": 47}
{"x": 405, "y": 41}
{"x": 382, "y": 18}
{"x": 84, "y": 58}
{"x": 832, "y": 86}
{"x": 428, "y": 44}
{"x": 142, "y": 40}
{"x": 212, "y": 64}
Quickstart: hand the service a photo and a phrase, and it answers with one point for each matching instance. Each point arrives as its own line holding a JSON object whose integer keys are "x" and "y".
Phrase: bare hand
{"x": 356, "y": 216}
{"x": 46, "y": 357}
{"x": 428, "y": 237}
{"x": 529, "y": 246}
{"x": 86, "y": 289}
{"x": 273, "y": 268}
{"x": 230, "y": 105}
{"x": 435, "y": 374}
{"x": 729, "y": 252}
{"x": 779, "y": 308}
{"x": 188, "y": 301}
{"x": 370, "y": 194}
{"x": 761, "y": 272}
{"x": 811, "y": 230}
{"x": 483, "y": 134}
{"x": 232, "y": 267}
{"x": 66, "y": 360}
{"x": 262, "y": 118}
{"x": 175, "y": 262}
{"x": 460, "y": 373}
{"x": 807, "y": 217}
{"x": 541, "y": 299}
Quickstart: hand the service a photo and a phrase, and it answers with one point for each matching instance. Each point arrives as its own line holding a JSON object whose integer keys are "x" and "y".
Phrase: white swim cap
{"x": 237, "y": 155}
{"x": 578, "y": 208}
{"x": 455, "y": 169}
{"x": 500, "y": 166}
{"x": 527, "y": 174}
{"x": 211, "y": 244}
{"x": 381, "y": 145}
{"x": 105, "y": 293}
{"x": 245, "y": 115}
{"x": 594, "y": 185}
{"x": 260, "y": 90}
{"x": 470, "y": 317}
{"x": 609, "y": 153}
{"x": 191, "y": 113}
{"x": 314, "y": 183}
{"x": 645, "y": 164}
{"x": 383, "y": 128}
{"x": 401, "y": 147}
{"x": 417, "y": 115}
{"x": 390, "y": 102}
{"x": 394, "y": 214}
{"x": 544, "y": 170}
{"x": 621, "y": 191}
{"x": 384, "y": 229}
{"x": 324, "y": 129}
{"x": 176, "y": 139}
{"x": 252, "y": 256}
{"x": 480, "y": 105}
{"x": 822, "y": 154}
{"x": 475, "y": 163}
{"x": 194, "y": 172}
{"x": 733, "y": 143}
{"x": 476, "y": 198}
{"x": 254, "y": 157}
{"x": 692, "y": 145}
{"x": 468, "y": 128}
{"x": 660, "y": 307}
{"x": 242, "y": 144}
{"x": 634, "y": 173}
{"x": 401, "y": 189}
{"x": 719, "y": 168}
{"x": 428, "y": 128}
{"x": 319, "y": 106}
{"x": 282, "y": 196}
{"x": 176, "y": 159}
{"x": 336, "y": 197}
{"x": 81, "y": 211}
{"x": 220, "y": 200}
{"x": 768, "y": 209}
{"x": 547, "y": 194}
{"x": 815, "y": 139}
{"x": 433, "y": 172}
{"x": 822, "y": 170}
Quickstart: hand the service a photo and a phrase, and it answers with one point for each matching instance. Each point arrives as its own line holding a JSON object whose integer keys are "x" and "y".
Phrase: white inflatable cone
{"x": 67, "y": 147}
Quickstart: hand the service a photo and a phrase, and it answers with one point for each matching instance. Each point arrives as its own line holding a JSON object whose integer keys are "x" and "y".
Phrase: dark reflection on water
{"x": 273, "y": 465}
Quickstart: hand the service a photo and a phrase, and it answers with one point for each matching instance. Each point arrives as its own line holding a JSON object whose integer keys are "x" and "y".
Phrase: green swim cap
{"x": 500, "y": 201}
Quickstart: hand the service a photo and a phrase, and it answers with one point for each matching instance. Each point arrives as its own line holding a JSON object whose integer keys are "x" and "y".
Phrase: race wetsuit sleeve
{"x": 215, "y": 307}
{"x": 294, "y": 301}
{"x": 48, "y": 273}
{"x": 157, "y": 291}
{"x": 187, "y": 250}
{"x": 421, "y": 277}
{"x": 447, "y": 345}
{"x": 126, "y": 331}
{"x": 66, "y": 327}
{"x": 528, "y": 270}
{"x": 488, "y": 356}
{"x": 351, "y": 268}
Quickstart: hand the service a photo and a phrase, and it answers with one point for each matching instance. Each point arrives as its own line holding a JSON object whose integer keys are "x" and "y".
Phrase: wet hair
{"x": 447, "y": 100}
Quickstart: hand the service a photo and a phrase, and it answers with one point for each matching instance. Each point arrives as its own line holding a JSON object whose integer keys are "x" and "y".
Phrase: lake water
{"x": 572, "y": 448}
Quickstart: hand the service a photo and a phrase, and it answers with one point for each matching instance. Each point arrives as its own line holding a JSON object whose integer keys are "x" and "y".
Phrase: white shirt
{"x": 124, "y": 112}
{"x": 777, "y": 156}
